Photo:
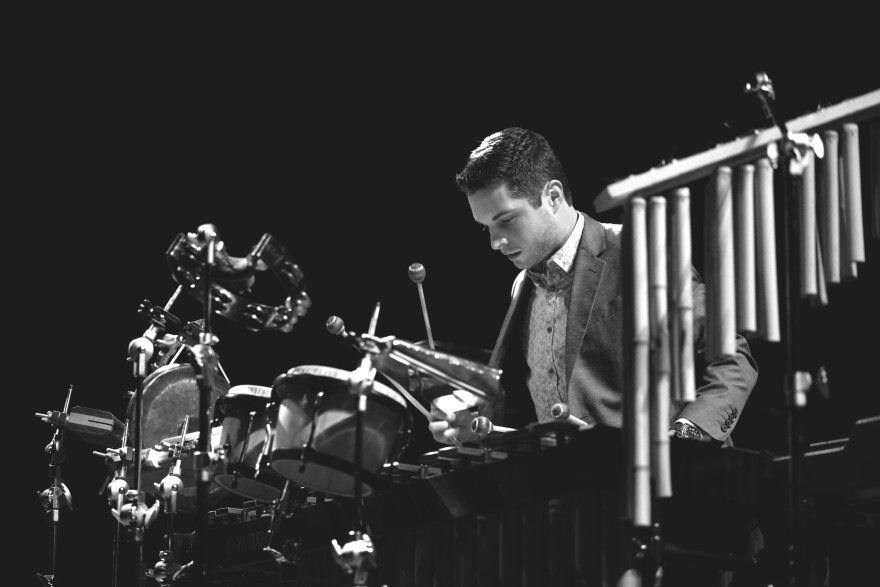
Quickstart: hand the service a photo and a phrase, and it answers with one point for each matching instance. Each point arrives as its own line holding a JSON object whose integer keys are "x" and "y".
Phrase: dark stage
{"x": 349, "y": 162}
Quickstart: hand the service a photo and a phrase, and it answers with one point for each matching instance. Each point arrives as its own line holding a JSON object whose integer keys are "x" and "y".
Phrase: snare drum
{"x": 316, "y": 430}
{"x": 170, "y": 393}
{"x": 247, "y": 417}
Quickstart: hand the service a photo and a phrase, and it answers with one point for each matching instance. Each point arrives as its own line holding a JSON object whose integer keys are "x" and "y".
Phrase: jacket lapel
{"x": 588, "y": 269}
{"x": 504, "y": 338}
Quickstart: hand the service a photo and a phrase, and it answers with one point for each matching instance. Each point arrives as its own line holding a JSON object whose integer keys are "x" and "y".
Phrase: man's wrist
{"x": 684, "y": 428}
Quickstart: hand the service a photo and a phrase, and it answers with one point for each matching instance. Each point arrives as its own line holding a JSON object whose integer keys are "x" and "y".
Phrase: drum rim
{"x": 164, "y": 369}
{"x": 342, "y": 374}
{"x": 370, "y": 481}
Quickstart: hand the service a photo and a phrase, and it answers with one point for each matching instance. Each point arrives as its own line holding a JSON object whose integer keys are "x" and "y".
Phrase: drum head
{"x": 310, "y": 379}
{"x": 316, "y": 432}
{"x": 170, "y": 393}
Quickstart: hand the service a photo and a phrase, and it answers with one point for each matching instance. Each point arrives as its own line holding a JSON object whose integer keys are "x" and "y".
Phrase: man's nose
{"x": 499, "y": 242}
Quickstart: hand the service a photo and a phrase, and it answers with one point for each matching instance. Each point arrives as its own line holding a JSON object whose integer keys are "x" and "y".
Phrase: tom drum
{"x": 247, "y": 417}
{"x": 315, "y": 435}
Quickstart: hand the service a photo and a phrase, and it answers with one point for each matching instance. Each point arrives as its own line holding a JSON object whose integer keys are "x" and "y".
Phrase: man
{"x": 562, "y": 338}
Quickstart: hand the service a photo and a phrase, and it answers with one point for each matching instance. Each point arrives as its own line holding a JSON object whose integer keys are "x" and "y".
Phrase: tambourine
{"x": 232, "y": 277}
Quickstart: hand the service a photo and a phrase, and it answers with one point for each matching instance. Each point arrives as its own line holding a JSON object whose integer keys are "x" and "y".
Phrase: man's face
{"x": 523, "y": 234}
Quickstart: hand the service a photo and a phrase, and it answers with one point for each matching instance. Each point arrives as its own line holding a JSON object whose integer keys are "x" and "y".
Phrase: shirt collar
{"x": 563, "y": 258}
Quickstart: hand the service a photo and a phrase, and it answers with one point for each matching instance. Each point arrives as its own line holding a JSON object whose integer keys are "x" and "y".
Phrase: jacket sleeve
{"x": 724, "y": 385}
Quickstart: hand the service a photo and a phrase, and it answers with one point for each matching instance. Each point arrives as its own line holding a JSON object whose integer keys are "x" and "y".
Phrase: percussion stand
{"x": 56, "y": 495}
{"x": 170, "y": 488}
{"x": 357, "y": 555}
{"x": 118, "y": 459}
{"x": 794, "y": 148}
{"x": 141, "y": 352}
{"x": 206, "y": 362}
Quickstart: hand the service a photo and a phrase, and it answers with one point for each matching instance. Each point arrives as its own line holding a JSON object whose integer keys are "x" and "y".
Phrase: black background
{"x": 344, "y": 144}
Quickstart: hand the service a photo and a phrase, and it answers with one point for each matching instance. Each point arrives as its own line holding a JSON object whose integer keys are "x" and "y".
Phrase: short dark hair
{"x": 521, "y": 158}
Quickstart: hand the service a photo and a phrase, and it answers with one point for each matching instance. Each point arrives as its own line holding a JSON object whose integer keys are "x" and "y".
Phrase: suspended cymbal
{"x": 439, "y": 372}
{"x": 459, "y": 350}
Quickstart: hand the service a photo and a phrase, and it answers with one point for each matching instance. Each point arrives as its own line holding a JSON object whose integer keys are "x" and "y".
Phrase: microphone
{"x": 336, "y": 326}
{"x": 416, "y": 273}
{"x": 207, "y": 234}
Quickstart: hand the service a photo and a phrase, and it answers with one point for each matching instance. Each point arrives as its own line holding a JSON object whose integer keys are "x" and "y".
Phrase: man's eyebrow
{"x": 496, "y": 216}
{"x": 502, "y": 213}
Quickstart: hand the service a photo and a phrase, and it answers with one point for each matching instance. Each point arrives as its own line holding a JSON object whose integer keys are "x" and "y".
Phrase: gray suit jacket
{"x": 594, "y": 349}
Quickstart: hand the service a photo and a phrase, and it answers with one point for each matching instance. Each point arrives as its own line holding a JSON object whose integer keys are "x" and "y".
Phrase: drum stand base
{"x": 355, "y": 557}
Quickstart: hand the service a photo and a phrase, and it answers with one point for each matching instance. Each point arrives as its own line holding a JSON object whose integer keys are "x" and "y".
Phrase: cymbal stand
{"x": 133, "y": 510}
{"x": 134, "y": 513}
{"x": 57, "y": 495}
{"x": 278, "y": 510}
{"x": 169, "y": 488}
{"x": 206, "y": 364}
{"x": 794, "y": 153}
{"x": 358, "y": 555}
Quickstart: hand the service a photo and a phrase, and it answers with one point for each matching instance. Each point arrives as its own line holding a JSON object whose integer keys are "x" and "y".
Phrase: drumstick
{"x": 481, "y": 426}
{"x": 561, "y": 413}
{"x": 416, "y": 273}
{"x": 416, "y": 404}
{"x": 374, "y": 320}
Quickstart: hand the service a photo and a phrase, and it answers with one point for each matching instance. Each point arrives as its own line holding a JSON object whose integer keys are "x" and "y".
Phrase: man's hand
{"x": 451, "y": 421}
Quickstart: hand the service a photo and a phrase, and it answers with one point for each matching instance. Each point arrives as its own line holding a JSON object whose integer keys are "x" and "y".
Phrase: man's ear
{"x": 555, "y": 194}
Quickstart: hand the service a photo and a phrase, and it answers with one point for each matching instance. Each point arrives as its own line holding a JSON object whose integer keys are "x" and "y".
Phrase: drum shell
{"x": 170, "y": 393}
{"x": 316, "y": 427}
{"x": 247, "y": 425}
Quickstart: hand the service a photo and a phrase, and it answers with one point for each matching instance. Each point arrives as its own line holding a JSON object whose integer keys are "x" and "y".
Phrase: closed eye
{"x": 506, "y": 220}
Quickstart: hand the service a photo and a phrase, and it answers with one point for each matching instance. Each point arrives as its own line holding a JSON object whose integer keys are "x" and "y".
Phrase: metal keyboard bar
{"x": 741, "y": 150}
